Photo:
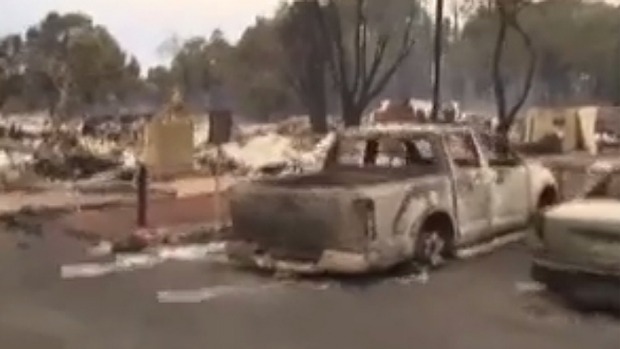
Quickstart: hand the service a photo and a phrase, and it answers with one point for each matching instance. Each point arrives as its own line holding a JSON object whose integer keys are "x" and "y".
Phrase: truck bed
{"x": 351, "y": 176}
{"x": 296, "y": 224}
{"x": 297, "y": 218}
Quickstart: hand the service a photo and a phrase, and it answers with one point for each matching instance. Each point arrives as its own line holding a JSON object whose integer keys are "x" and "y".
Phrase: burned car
{"x": 387, "y": 194}
{"x": 576, "y": 249}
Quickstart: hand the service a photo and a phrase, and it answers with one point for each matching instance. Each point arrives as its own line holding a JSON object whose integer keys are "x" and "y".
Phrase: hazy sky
{"x": 142, "y": 25}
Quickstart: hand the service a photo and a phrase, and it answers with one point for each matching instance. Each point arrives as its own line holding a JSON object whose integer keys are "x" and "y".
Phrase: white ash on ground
{"x": 214, "y": 252}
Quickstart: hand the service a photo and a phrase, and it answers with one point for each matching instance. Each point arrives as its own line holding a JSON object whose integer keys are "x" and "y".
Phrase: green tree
{"x": 160, "y": 82}
{"x": 191, "y": 67}
{"x": 508, "y": 12}
{"x": 576, "y": 44}
{"x": 199, "y": 65}
{"x": 11, "y": 67}
{"x": 131, "y": 85}
{"x": 258, "y": 80}
{"x": 80, "y": 62}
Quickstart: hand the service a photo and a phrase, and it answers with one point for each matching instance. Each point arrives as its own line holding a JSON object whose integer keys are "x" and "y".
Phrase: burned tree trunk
{"x": 498, "y": 81}
{"x": 9, "y": 86}
{"x": 360, "y": 71}
{"x": 11, "y": 75}
{"x": 508, "y": 11}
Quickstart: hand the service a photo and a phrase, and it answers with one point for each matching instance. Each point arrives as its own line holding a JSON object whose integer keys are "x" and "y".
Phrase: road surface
{"x": 483, "y": 303}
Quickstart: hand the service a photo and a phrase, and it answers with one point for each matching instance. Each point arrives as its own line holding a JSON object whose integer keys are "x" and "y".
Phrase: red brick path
{"x": 119, "y": 222}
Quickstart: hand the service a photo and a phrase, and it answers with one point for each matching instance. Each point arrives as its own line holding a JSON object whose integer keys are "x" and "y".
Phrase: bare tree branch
{"x": 529, "y": 78}
{"x": 508, "y": 11}
{"x": 305, "y": 69}
{"x": 367, "y": 81}
{"x": 338, "y": 42}
{"x": 407, "y": 45}
{"x": 498, "y": 82}
{"x": 359, "y": 25}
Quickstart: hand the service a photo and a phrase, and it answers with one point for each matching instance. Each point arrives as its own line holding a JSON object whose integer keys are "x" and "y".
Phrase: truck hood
{"x": 584, "y": 233}
{"x": 592, "y": 212}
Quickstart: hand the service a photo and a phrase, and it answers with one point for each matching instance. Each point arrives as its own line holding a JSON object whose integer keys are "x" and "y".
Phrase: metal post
{"x": 142, "y": 196}
{"x": 217, "y": 203}
{"x": 437, "y": 60}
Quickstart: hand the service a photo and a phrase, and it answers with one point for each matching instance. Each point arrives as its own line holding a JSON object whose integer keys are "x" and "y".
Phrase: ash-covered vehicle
{"x": 386, "y": 195}
{"x": 576, "y": 248}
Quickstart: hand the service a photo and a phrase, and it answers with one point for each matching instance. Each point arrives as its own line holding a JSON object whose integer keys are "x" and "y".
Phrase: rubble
{"x": 260, "y": 151}
{"x": 80, "y": 150}
{"x": 73, "y": 165}
{"x": 273, "y": 149}
{"x": 35, "y": 153}
{"x": 77, "y": 162}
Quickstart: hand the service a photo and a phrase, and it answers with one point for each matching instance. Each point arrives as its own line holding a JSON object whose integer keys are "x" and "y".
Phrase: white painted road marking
{"x": 209, "y": 293}
{"x": 130, "y": 262}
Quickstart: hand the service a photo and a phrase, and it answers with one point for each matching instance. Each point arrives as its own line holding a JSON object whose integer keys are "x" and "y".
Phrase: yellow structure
{"x": 577, "y": 127}
{"x": 169, "y": 141}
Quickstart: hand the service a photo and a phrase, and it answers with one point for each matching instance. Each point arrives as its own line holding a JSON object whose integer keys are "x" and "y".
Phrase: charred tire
{"x": 434, "y": 243}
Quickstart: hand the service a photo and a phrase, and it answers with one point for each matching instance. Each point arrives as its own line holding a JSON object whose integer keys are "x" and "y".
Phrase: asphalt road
{"x": 483, "y": 303}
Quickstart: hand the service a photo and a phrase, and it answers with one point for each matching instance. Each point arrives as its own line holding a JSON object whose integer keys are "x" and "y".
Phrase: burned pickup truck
{"x": 385, "y": 195}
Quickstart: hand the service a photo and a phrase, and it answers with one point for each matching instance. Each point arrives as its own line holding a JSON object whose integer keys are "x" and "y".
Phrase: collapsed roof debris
{"x": 36, "y": 152}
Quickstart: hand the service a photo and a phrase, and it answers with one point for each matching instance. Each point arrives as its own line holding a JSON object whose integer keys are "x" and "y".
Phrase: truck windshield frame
{"x": 388, "y": 152}
{"x": 463, "y": 150}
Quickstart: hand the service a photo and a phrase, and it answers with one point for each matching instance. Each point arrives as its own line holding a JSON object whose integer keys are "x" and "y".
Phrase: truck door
{"x": 510, "y": 189}
{"x": 473, "y": 182}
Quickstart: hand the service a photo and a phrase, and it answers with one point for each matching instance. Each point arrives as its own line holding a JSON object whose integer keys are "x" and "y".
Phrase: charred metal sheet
{"x": 297, "y": 224}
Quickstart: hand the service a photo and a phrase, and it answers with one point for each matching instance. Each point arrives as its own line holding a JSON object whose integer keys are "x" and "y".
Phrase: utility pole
{"x": 437, "y": 60}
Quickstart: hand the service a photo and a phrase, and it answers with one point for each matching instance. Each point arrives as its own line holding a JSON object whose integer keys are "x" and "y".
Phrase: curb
{"x": 144, "y": 238}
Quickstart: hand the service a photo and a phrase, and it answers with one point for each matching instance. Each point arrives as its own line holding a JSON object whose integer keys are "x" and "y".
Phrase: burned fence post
{"x": 142, "y": 183}
{"x": 220, "y": 129}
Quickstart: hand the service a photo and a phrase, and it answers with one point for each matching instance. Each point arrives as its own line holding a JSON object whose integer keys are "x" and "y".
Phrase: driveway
{"x": 482, "y": 303}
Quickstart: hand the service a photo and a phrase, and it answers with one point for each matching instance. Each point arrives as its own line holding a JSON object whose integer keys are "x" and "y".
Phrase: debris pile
{"x": 34, "y": 153}
{"x": 101, "y": 153}
{"x": 74, "y": 164}
{"x": 274, "y": 149}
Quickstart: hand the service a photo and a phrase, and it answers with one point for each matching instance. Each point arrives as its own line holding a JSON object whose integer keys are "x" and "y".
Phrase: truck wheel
{"x": 433, "y": 243}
